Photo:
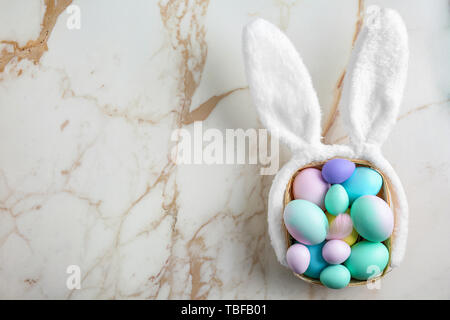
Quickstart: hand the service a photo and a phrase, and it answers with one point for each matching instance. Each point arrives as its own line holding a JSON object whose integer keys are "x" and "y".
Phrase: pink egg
{"x": 298, "y": 258}
{"x": 341, "y": 226}
{"x": 335, "y": 251}
{"x": 309, "y": 185}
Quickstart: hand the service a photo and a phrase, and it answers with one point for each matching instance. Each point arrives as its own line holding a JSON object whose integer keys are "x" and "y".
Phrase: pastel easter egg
{"x": 367, "y": 260}
{"x": 351, "y": 239}
{"x": 337, "y": 170}
{"x": 364, "y": 181}
{"x": 309, "y": 185}
{"x": 317, "y": 263}
{"x": 305, "y": 222}
{"x": 335, "y": 251}
{"x": 373, "y": 218}
{"x": 341, "y": 228}
{"x": 335, "y": 277}
{"x": 298, "y": 258}
{"x": 336, "y": 199}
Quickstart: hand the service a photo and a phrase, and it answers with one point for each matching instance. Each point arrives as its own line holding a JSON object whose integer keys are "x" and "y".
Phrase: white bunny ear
{"x": 374, "y": 82}
{"x": 280, "y": 85}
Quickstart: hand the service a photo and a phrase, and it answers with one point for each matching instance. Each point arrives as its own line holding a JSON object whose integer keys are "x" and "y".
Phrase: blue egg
{"x": 317, "y": 263}
{"x": 364, "y": 181}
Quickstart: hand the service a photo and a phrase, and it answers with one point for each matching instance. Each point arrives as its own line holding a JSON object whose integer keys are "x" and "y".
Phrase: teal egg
{"x": 367, "y": 260}
{"x": 363, "y": 181}
{"x": 305, "y": 221}
{"x": 316, "y": 263}
{"x": 372, "y": 218}
{"x": 335, "y": 276}
{"x": 336, "y": 199}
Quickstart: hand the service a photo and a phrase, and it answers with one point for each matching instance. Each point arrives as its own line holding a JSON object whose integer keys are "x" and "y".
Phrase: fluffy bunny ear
{"x": 373, "y": 85}
{"x": 280, "y": 85}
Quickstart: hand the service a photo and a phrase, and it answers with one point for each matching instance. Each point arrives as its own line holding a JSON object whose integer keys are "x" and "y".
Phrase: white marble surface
{"x": 85, "y": 126}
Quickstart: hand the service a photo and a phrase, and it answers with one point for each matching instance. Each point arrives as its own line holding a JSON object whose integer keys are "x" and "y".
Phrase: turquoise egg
{"x": 305, "y": 222}
{"x": 336, "y": 199}
{"x": 372, "y": 218}
{"x": 335, "y": 276}
{"x": 363, "y": 181}
{"x": 367, "y": 260}
{"x": 316, "y": 262}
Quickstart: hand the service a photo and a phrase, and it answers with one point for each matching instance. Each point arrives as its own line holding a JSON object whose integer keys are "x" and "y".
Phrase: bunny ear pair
{"x": 284, "y": 95}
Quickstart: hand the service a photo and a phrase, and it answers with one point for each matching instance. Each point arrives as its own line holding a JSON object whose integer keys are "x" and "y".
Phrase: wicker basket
{"x": 384, "y": 194}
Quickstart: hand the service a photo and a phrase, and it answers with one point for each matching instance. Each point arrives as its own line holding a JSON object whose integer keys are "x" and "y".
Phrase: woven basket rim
{"x": 385, "y": 194}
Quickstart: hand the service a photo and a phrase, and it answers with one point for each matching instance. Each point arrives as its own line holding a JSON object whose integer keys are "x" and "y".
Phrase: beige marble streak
{"x": 204, "y": 110}
{"x": 34, "y": 49}
{"x": 192, "y": 49}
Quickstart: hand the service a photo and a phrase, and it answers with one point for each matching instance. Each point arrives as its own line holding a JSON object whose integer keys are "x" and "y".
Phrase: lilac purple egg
{"x": 335, "y": 251}
{"x": 309, "y": 185}
{"x": 298, "y": 258}
{"x": 337, "y": 170}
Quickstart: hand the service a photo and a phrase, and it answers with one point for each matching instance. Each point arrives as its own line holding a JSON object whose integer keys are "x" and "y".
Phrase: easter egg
{"x": 335, "y": 277}
{"x": 367, "y": 260}
{"x": 309, "y": 185}
{"x": 337, "y": 170}
{"x": 364, "y": 181}
{"x": 298, "y": 258}
{"x": 351, "y": 239}
{"x": 341, "y": 227}
{"x": 373, "y": 218}
{"x": 336, "y": 199}
{"x": 305, "y": 222}
{"x": 316, "y": 263}
{"x": 335, "y": 251}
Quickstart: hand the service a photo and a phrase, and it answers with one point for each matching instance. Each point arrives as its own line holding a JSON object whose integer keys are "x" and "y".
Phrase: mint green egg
{"x": 336, "y": 199}
{"x": 305, "y": 222}
{"x": 372, "y": 218}
{"x": 367, "y": 260}
{"x": 335, "y": 277}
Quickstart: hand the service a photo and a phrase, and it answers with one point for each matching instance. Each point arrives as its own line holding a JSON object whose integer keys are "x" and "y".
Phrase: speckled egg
{"x": 367, "y": 260}
{"x": 337, "y": 170}
{"x": 305, "y": 222}
{"x": 364, "y": 181}
{"x": 336, "y": 199}
{"x": 373, "y": 218}
{"x": 309, "y": 185}
{"x": 335, "y": 277}
{"x": 317, "y": 263}
{"x": 335, "y": 251}
{"x": 298, "y": 258}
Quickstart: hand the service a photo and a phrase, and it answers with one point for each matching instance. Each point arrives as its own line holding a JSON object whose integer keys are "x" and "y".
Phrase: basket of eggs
{"x": 337, "y": 213}
{"x": 338, "y": 223}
